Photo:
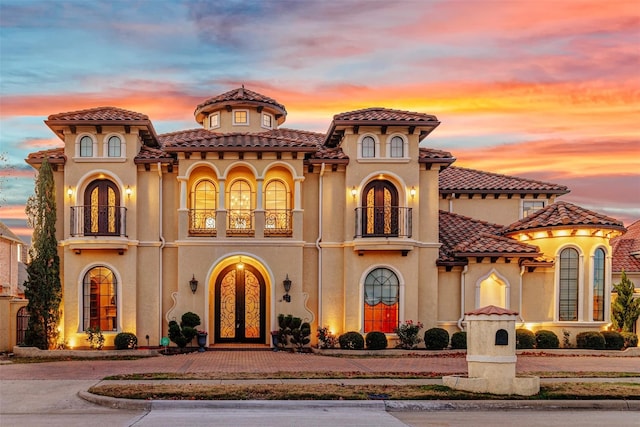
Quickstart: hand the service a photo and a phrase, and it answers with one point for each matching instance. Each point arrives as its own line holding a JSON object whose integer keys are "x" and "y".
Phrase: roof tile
{"x": 99, "y": 113}
{"x": 461, "y": 180}
{"x": 152, "y": 155}
{"x": 456, "y": 229}
{"x": 54, "y": 156}
{"x": 241, "y": 94}
{"x": 203, "y": 140}
{"x": 384, "y": 114}
{"x": 491, "y": 310}
{"x": 626, "y": 250}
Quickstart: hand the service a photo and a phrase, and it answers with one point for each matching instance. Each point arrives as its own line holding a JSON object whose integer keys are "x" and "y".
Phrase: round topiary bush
{"x": 125, "y": 340}
{"x": 630, "y": 339}
{"x": 436, "y": 339}
{"x": 590, "y": 339}
{"x": 351, "y": 341}
{"x": 190, "y": 319}
{"x": 546, "y": 339}
{"x": 376, "y": 340}
{"x": 613, "y": 340}
{"x": 459, "y": 340}
{"x": 525, "y": 339}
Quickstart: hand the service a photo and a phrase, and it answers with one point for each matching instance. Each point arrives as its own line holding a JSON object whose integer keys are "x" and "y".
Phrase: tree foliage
{"x": 625, "y": 310}
{"x": 43, "y": 288}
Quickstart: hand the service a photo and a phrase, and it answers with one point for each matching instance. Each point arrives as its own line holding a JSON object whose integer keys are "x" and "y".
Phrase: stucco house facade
{"x": 368, "y": 225}
{"x": 13, "y": 316}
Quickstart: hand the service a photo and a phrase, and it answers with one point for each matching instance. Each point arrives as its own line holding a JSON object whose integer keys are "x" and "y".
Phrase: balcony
{"x": 277, "y": 223}
{"x": 202, "y": 222}
{"x": 380, "y": 228}
{"x": 240, "y": 223}
{"x": 98, "y": 220}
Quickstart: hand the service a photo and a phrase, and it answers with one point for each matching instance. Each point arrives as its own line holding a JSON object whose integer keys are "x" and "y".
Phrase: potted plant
{"x": 202, "y": 340}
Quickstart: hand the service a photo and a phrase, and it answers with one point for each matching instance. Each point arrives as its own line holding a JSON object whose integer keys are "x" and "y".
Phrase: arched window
{"x": 368, "y": 147}
{"x": 598, "y": 284}
{"x": 277, "y": 205}
{"x": 204, "y": 202}
{"x": 380, "y": 209}
{"x": 381, "y": 290}
{"x": 86, "y": 146}
{"x": 241, "y": 206}
{"x": 568, "y": 292}
{"x": 100, "y": 308}
{"x": 397, "y": 147}
{"x": 102, "y": 211}
{"x": 114, "y": 147}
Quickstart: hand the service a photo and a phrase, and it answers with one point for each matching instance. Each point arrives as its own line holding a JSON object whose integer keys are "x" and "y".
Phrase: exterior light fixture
{"x": 354, "y": 192}
{"x": 287, "y": 287}
{"x": 240, "y": 264}
{"x": 69, "y": 192}
{"x": 193, "y": 284}
{"x": 412, "y": 192}
{"x": 128, "y": 191}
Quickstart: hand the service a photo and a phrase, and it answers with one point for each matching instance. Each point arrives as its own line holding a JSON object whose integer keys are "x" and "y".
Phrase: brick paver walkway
{"x": 267, "y": 362}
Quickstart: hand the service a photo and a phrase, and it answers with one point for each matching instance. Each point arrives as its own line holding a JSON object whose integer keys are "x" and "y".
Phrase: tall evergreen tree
{"x": 43, "y": 288}
{"x": 625, "y": 310}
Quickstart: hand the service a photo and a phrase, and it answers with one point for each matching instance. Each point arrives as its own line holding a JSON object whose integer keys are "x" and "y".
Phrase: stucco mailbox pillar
{"x": 491, "y": 355}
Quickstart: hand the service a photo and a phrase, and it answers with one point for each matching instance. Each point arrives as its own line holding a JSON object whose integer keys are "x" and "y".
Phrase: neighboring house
{"x": 367, "y": 225}
{"x": 12, "y": 296}
{"x": 626, "y": 257}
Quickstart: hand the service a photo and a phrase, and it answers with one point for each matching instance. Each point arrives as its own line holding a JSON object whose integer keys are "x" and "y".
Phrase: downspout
{"x": 522, "y": 271}
{"x": 462, "y": 286}
{"x": 162, "y": 244}
{"x": 318, "y": 240}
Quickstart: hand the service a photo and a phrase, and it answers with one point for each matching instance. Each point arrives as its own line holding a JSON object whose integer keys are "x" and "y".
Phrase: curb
{"x": 372, "y": 405}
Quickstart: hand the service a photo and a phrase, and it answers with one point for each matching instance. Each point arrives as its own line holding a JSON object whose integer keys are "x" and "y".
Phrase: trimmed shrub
{"x": 351, "y": 341}
{"x": 190, "y": 319}
{"x": 436, "y": 339}
{"x": 525, "y": 339}
{"x": 459, "y": 340}
{"x": 590, "y": 339}
{"x": 613, "y": 340}
{"x": 376, "y": 340}
{"x": 125, "y": 340}
{"x": 630, "y": 339}
{"x": 546, "y": 339}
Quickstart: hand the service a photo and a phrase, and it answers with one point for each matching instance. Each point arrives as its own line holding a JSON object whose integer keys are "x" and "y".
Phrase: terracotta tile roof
{"x": 626, "y": 250}
{"x": 328, "y": 155}
{"x": 240, "y": 96}
{"x": 273, "y": 140}
{"x": 428, "y": 155}
{"x": 491, "y": 310}
{"x": 99, "y": 114}
{"x": 462, "y": 180}
{"x": 153, "y": 155}
{"x": 6, "y": 233}
{"x": 54, "y": 156}
{"x": 379, "y": 114}
{"x": 563, "y": 215}
{"x": 462, "y": 236}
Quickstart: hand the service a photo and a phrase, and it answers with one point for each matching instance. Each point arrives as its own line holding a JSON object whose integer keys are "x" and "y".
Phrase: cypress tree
{"x": 625, "y": 310}
{"x": 43, "y": 288}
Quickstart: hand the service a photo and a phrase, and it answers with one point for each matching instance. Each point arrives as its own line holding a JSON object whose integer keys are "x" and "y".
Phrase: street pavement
{"x": 48, "y": 393}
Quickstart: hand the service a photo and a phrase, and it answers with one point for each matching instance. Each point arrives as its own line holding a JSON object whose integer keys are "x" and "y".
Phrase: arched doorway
{"x": 380, "y": 205}
{"x": 101, "y": 209}
{"x": 240, "y": 311}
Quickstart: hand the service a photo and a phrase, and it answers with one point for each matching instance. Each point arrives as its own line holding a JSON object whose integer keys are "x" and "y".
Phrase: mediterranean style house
{"x": 13, "y": 314}
{"x": 360, "y": 228}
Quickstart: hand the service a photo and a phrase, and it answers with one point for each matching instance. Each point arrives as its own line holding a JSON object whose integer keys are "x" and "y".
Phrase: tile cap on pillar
{"x": 491, "y": 310}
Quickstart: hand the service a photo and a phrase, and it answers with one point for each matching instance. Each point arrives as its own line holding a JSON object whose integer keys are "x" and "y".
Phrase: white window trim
{"x": 95, "y": 146}
{"x": 80, "y": 282}
{"x": 401, "y": 293}
{"x": 376, "y": 148}
{"x": 216, "y": 114}
{"x": 262, "y": 120}
{"x": 545, "y": 203}
{"x": 233, "y": 116}
{"x": 556, "y": 302}
{"x": 105, "y": 146}
{"x": 405, "y": 146}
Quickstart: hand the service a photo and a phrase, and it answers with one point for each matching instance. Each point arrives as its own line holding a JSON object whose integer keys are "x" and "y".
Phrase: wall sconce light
{"x": 128, "y": 191}
{"x": 287, "y": 287}
{"x": 69, "y": 192}
{"x": 193, "y": 284}
{"x": 240, "y": 264}
{"x": 354, "y": 192}
{"x": 412, "y": 192}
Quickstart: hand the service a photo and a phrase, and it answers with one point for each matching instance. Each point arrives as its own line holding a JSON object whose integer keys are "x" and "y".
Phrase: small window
{"x": 86, "y": 146}
{"x": 397, "y": 147}
{"x": 214, "y": 121}
{"x": 368, "y": 147}
{"x": 114, "y": 147}
{"x": 267, "y": 121}
{"x": 241, "y": 117}
{"x": 530, "y": 206}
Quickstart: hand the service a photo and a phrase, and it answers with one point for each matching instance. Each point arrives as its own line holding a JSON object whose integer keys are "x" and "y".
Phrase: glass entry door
{"x": 240, "y": 305}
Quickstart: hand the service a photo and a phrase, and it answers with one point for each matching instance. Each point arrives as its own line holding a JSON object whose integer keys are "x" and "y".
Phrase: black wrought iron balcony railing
{"x": 98, "y": 220}
{"x": 277, "y": 222}
{"x": 202, "y": 221}
{"x": 383, "y": 221}
{"x": 240, "y": 222}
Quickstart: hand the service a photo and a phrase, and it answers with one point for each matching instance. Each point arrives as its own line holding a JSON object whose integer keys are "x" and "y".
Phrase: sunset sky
{"x": 546, "y": 89}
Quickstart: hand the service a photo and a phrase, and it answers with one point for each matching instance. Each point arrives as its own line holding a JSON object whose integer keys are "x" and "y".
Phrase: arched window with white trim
{"x": 100, "y": 299}
{"x": 204, "y": 202}
{"x": 86, "y": 146}
{"x": 114, "y": 146}
{"x": 368, "y": 147}
{"x": 568, "y": 286}
{"x": 396, "y": 148}
{"x": 598, "y": 284}
{"x": 277, "y": 206}
{"x": 381, "y": 300}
